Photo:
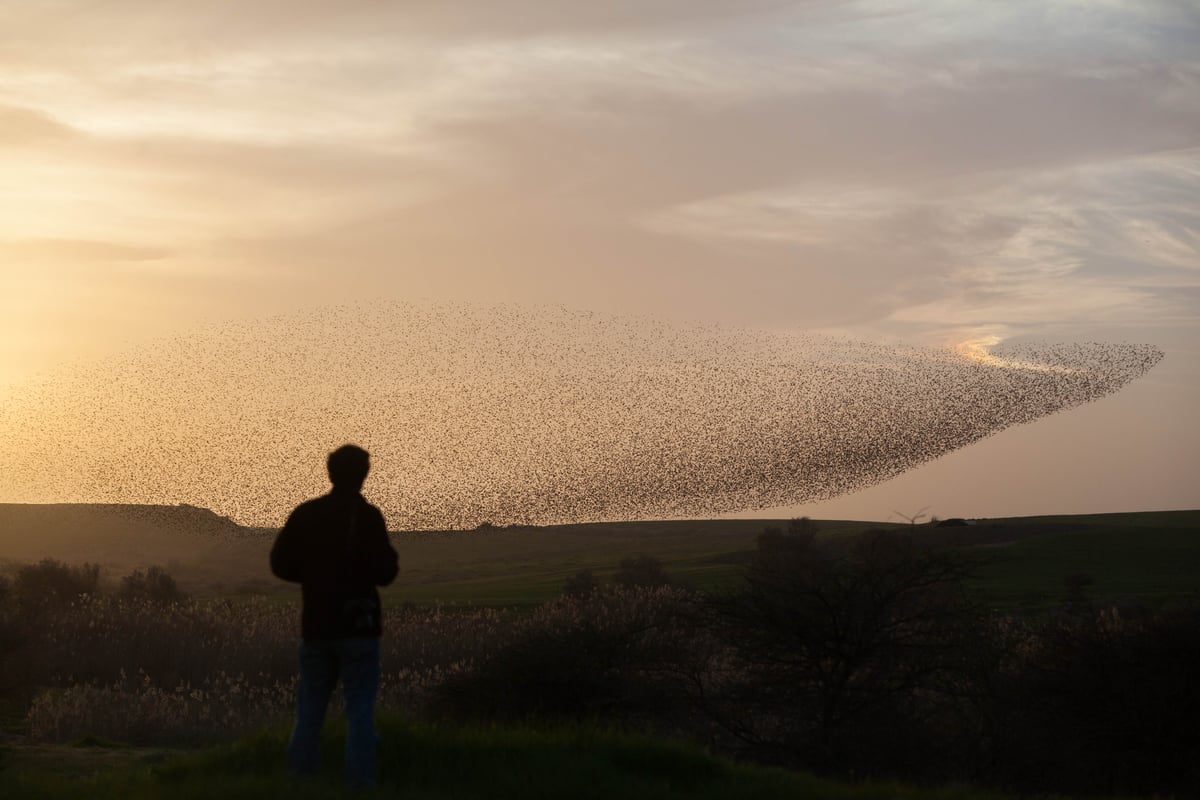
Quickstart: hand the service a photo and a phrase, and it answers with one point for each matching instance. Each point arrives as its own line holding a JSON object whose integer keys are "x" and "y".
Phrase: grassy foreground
{"x": 430, "y": 762}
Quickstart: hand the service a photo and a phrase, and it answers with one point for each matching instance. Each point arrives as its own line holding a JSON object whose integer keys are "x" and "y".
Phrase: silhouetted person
{"x": 336, "y": 547}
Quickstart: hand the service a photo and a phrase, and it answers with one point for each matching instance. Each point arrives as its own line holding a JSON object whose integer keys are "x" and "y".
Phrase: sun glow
{"x": 979, "y": 349}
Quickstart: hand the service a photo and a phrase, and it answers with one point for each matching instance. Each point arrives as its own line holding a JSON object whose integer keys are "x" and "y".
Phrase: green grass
{"x": 529, "y": 565}
{"x": 525, "y": 566}
{"x": 1142, "y": 558}
{"x": 1145, "y": 557}
{"x": 434, "y": 762}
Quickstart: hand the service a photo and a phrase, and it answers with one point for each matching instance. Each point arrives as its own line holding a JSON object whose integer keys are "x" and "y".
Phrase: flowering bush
{"x": 140, "y": 671}
{"x": 137, "y": 710}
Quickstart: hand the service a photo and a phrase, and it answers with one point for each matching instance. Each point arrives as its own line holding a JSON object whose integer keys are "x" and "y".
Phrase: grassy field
{"x": 1024, "y": 561}
{"x": 430, "y": 762}
{"x": 1130, "y": 558}
{"x": 1142, "y": 557}
{"x": 529, "y": 565}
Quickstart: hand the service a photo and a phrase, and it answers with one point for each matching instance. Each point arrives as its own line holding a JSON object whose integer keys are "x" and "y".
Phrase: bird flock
{"x": 518, "y": 415}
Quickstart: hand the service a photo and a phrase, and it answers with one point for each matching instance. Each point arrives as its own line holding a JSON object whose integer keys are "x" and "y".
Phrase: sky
{"x": 936, "y": 173}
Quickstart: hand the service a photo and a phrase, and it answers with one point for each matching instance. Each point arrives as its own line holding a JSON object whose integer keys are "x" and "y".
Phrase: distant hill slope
{"x": 110, "y": 533}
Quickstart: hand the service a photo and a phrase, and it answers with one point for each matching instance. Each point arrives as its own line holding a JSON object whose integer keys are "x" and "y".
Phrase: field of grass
{"x": 430, "y": 762}
{"x": 529, "y": 565}
{"x": 1140, "y": 557}
{"x": 1025, "y": 561}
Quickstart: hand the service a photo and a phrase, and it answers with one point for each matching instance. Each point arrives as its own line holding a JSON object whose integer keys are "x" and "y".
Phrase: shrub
{"x": 135, "y": 711}
{"x": 641, "y": 570}
{"x": 846, "y": 650}
{"x": 137, "y": 670}
{"x": 1102, "y": 703}
{"x": 155, "y": 585}
{"x": 581, "y": 584}
{"x": 608, "y": 654}
{"x": 51, "y": 584}
{"x": 11, "y": 636}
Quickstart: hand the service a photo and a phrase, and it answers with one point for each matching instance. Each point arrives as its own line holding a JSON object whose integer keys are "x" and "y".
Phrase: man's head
{"x": 348, "y": 467}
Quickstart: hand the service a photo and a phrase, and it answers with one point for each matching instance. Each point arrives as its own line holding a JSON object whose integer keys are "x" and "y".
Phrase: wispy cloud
{"x": 878, "y": 164}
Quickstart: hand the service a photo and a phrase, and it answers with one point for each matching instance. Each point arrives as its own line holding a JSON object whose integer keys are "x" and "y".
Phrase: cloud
{"x": 1010, "y": 252}
{"x": 23, "y": 127}
{"x": 79, "y": 250}
{"x": 228, "y": 22}
{"x": 840, "y": 163}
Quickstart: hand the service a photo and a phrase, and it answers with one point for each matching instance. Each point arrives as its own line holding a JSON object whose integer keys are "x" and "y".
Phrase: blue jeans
{"x": 322, "y": 662}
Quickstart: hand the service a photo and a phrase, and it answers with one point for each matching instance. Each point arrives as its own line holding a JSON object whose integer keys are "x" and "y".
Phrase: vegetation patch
{"x": 437, "y": 762}
{"x": 884, "y": 654}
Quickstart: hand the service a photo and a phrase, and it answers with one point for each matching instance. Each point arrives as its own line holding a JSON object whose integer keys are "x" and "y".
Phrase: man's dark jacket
{"x": 336, "y": 547}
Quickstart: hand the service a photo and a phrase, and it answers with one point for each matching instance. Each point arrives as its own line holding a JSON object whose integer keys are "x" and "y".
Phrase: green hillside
{"x": 1025, "y": 561}
{"x": 1139, "y": 558}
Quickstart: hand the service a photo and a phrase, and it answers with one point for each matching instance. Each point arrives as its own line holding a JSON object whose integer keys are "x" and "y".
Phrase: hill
{"x": 1025, "y": 561}
{"x": 110, "y": 534}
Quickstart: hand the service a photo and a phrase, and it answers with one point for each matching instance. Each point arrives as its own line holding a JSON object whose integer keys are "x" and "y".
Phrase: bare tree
{"x": 913, "y": 519}
{"x": 831, "y": 635}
